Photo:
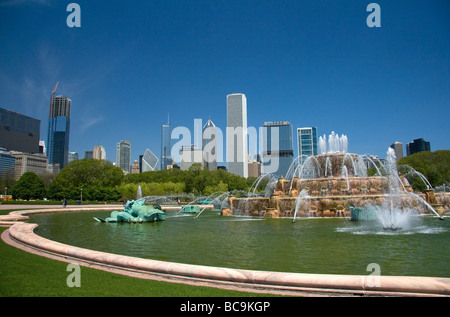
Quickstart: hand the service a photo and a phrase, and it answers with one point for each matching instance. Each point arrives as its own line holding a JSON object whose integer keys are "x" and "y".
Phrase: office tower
{"x": 254, "y": 169}
{"x": 135, "y": 167}
{"x": 73, "y": 156}
{"x": 123, "y": 155}
{"x": 237, "y": 134}
{"x": 42, "y": 148}
{"x": 89, "y": 155}
{"x": 99, "y": 153}
{"x": 307, "y": 142}
{"x": 209, "y": 146}
{"x": 19, "y": 132}
{"x": 277, "y": 147}
{"x": 26, "y": 162}
{"x": 58, "y": 130}
{"x": 189, "y": 154}
{"x": 398, "y": 149}
{"x": 7, "y": 164}
{"x": 166, "y": 157}
{"x": 148, "y": 162}
{"x": 418, "y": 145}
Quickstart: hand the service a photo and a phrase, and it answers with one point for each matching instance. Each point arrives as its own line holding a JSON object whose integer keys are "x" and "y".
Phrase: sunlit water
{"x": 328, "y": 246}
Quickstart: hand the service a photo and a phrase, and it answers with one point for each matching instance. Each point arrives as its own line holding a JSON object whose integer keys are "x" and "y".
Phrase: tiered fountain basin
{"x": 333, "y": 185}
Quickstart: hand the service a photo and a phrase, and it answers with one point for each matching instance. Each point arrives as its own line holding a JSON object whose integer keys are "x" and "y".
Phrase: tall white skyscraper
{"x": 237, "y": 150}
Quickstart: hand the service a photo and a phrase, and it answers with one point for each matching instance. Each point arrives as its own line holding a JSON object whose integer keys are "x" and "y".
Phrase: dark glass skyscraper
{"x": 418, "y": 145}
{"x": 58, "y": 130}
{"x": 277, "y": 147}
{"x": 18, "y": 132}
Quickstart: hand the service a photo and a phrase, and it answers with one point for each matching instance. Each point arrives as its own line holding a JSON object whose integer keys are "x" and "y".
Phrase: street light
{"x": 81, "y": 197}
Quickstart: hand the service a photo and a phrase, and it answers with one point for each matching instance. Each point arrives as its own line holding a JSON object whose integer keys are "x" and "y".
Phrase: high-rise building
{"x": 26, "y": 162}
{"x": 58, "y": 130}
{"x": 307, "y": 142}
{"x": 189, "y": 154}
{"x": 148, "y": 162}
{"x": 254, "y": 169}
{"x": 237, "y": 149}
{"x": 398, "y": 149}
{"x": 73, "y": 156}
{"x": 135, "y": 167}
{"x": 418, "y": 145}
{"x": 99, "y": 153}
{"x": 123, "y": 155}
{"x": 277, "y": 147}
{"x": 19, "y": 132}
{"x": 209, "y": 146}
{"x": 89, "y": 155}
{"x": 166, "y": 157}
{"x": 7, "y": 164}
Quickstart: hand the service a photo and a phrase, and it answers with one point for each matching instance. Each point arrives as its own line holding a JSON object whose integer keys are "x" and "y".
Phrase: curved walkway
{"x": 22, "y": 235}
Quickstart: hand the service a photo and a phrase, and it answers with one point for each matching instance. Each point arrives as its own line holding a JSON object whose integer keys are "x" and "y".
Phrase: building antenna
{"x": 168, "y": 118}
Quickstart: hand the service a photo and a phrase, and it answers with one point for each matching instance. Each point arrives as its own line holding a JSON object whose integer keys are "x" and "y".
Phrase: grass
{"x": 23, "y": 274}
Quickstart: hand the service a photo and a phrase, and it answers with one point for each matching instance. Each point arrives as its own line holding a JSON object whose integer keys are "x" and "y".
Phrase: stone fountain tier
{"x": 326, "y": 185}
{"x": 313, "y": 206}
{"x": 331, "y": 197}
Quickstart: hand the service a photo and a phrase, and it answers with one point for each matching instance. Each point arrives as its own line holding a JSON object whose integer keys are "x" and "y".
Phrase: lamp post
{"x": 81, "y": 196}
{"x": 6, "y": 188}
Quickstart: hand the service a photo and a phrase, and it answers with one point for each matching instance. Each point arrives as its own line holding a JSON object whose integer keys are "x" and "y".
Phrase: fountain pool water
{"x": 319, "y": 245}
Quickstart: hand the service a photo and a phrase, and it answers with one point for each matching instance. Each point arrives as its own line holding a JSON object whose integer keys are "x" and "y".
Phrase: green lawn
{"x": 29, "y": 275}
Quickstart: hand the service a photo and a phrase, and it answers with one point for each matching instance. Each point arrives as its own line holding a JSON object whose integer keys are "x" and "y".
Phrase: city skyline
{"x": 312, "y": 63}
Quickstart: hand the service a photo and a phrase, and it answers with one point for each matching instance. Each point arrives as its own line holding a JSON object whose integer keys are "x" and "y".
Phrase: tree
{"x": 435, "y": 166}
{"x": 97, "y": 178}
{"x": 29, "y": 186}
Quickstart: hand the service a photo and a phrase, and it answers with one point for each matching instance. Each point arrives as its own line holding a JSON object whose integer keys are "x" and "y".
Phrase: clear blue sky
{"x": 314, "y": 63}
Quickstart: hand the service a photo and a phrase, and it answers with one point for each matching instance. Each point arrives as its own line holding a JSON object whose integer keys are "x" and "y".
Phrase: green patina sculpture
{"x": 136, "y": 211}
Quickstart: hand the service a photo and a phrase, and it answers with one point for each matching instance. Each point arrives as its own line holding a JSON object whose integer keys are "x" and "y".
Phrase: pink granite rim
{"x": 24, "y": 234}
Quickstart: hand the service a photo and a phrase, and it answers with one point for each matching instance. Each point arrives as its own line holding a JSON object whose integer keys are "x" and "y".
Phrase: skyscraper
{"x": 19, "y": 132}
{"x": 99, "y": 153}
{"x": 237, "y": 134}
{"x": 148, "y": 162}
{"x": 123, "y": 155}
{"x": 73, "y": 156}
{"x": 189, "y": 154}
{"x": 277, "y": 147}
{"x": 58, "y": 130}
{"x": 307, "y": 142}
{"x": 166, "y": 157}
{"x": 398, "y": 149}
{"x": 209, "y": 146}
{"x": 418, "y": 145}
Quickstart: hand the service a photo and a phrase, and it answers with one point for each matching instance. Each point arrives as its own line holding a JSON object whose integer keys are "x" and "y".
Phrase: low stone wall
{"x": 23, "y": 234}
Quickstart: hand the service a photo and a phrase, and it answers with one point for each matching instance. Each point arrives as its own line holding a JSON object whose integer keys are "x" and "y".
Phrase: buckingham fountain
{"x": 335, "y": 183}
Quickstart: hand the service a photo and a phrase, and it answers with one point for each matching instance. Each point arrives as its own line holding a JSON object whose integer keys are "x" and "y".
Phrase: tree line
{"x": 99, "y": 180}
